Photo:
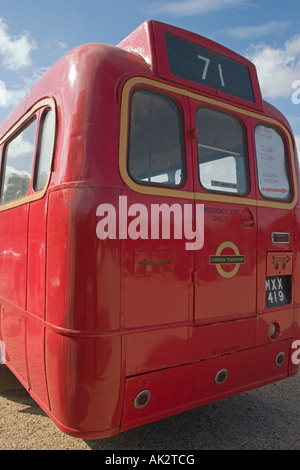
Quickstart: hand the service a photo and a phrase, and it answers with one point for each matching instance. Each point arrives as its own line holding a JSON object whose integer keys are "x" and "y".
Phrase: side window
{"x": 155, "y": 140}
{"x": 273, "y": 177}
{"x": 18, "y": 164}
{"x": 221, "y": 152}
{"x": 44, "y": 150}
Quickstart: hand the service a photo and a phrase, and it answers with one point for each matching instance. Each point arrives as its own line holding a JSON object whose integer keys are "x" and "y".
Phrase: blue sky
{"x": 35, "y": 33}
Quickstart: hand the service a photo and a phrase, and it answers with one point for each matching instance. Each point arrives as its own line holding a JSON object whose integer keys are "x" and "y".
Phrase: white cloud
{"x": 245, "y": 32}
{"x": 277, "y": 68}
{"x": 2, "y": 93}
{"x": 56, "y": 44}
{"x": 9, "y": 98}
{"x": 15, "y": 50}
{"x": 192, "y": 7}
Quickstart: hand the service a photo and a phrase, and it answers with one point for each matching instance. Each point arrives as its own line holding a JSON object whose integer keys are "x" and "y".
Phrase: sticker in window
{"x": 273, "y": 176}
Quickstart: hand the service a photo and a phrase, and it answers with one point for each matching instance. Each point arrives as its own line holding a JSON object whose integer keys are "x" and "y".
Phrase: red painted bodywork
{"x": 85, "y": 329}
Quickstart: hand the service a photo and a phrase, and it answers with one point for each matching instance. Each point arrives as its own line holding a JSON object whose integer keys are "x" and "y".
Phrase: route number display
{"x": 205, "y": 67}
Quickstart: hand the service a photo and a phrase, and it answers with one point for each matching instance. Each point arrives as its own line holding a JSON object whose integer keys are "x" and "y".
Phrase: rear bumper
{"x": 184, "y": 387}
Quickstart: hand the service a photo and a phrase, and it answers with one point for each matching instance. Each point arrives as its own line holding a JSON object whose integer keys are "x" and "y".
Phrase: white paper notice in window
{"x": 272, "y": 164}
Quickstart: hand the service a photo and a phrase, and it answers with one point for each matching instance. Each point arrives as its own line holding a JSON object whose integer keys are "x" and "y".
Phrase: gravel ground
{"x": 265, "y": 418}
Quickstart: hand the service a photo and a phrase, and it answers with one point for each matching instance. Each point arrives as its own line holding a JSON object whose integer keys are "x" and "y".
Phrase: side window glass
{"x": 18, "y": 164}
{"x": 221, "y": 152}
{"x": 273, "y": 177}
{"x": 155, "y": 140}
{"x": 44, "y": 150}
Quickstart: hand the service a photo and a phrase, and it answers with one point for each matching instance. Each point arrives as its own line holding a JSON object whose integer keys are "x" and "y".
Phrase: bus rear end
{"x": 161, "y": 257}
{"x": 217, "y": 318}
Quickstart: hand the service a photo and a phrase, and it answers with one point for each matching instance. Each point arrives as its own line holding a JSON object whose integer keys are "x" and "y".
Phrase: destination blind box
{"x": 205, "y": 67}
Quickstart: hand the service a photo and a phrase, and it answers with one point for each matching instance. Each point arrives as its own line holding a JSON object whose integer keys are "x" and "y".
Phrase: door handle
{"x": 247, "y": 219}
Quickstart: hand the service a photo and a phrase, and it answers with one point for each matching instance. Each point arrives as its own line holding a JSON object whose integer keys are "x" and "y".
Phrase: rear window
{"x": 156, "y": 153}
{"x": 221, "y": 152}
{"x": 19, "y": 154}
{"x": 44, "y": 156}
{"x": 273, "y": 175}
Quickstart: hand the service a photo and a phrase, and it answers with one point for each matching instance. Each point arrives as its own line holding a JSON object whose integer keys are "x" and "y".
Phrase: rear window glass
{"x": 273, "y": 176}
{"x": 19, "y": 154}
{"x": 221, "y": 152}
{"x": 45, "y": 150}
{"x": 155, "y": 140}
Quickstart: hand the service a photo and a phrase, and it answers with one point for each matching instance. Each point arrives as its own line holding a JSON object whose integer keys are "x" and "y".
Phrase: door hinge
{"x": 194, "y": 276}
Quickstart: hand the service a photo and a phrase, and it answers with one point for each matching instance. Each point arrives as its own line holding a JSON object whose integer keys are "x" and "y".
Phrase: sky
{"x": 36, "y": 33}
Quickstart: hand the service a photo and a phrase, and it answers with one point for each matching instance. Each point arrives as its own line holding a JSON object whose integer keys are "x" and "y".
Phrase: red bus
{"x": 111, "y": 319}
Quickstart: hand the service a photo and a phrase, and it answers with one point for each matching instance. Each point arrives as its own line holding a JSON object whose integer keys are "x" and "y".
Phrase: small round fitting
{"x": 142, "y": 399}
{"x": 274, "y": 331}
{"x": 279, "y": 359}
{"x": 221, "y": 376}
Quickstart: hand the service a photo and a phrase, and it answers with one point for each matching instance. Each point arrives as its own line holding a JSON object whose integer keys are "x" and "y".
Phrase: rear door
{"x": 156, "y": 283}
{"x": 225, "y": 268}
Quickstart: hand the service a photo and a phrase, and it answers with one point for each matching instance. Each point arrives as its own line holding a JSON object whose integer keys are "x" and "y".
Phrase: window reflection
{"x": 45, "y": 148}
{"x": 155, "y": 139}
{"x": 18, "y": 164}
{"x": 221, "y": 152}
